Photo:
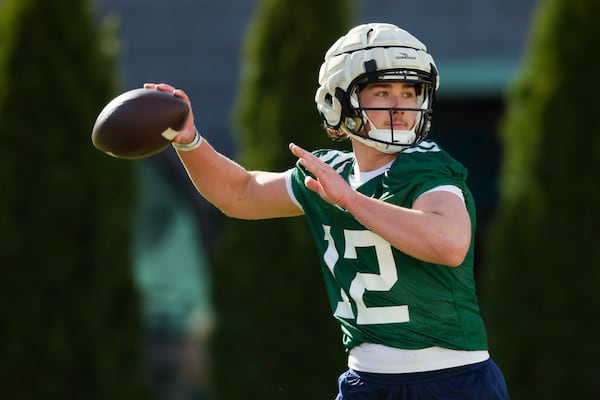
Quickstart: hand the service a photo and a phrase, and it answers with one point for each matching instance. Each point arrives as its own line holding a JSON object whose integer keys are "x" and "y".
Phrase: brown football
{"x": 139, "y": 123}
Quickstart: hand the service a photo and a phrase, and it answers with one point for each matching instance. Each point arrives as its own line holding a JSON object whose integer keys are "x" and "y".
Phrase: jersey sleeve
{"x": 425, "y": 168}
{"x": 447, "y": 188}
{"x": 341, "y": 161}
{"x": 289, "y": 184}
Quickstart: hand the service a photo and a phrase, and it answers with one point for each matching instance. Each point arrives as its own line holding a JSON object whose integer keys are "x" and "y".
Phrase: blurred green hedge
{"x": 276, "y": 338}
{"x": 70, "y": 316}
{"x": 540, "y": 281}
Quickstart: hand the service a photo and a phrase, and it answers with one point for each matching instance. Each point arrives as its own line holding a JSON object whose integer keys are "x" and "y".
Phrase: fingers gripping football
{"x": 142, "y": 122}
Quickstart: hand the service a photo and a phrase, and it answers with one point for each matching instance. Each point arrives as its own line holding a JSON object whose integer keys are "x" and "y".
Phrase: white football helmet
{"x": 370, "y": 53}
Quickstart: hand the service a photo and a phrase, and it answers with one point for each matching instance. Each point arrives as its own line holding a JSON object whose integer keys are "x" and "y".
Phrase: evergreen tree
{"x": 70, "y": 311}
{"x": 540, "y": 281}
{"x": 275, "y": 335}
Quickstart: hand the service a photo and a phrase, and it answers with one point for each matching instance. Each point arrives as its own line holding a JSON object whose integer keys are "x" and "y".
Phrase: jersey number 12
{"x": 363, "y": 282}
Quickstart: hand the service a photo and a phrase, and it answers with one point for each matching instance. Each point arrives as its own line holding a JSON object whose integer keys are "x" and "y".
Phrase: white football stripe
{"x": 170, "y": 134}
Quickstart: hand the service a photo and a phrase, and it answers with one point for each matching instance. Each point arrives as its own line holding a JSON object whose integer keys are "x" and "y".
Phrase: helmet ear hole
{"x": 354, "y": 124}
{"x": 344, "y": 100}
{"x": 328, "y": 99}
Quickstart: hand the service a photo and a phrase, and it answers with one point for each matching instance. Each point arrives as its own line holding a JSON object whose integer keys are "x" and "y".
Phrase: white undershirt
{"x": 358, "y": 178}
{"x": 377, "y": 358}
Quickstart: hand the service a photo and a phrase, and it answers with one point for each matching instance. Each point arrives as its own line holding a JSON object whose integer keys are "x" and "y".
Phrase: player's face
{"x": 390, "y": 95}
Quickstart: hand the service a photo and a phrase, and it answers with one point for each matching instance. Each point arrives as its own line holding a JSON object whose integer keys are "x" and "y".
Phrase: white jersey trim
{"x": 447, "y": 188}
{"x": 288, "y": 185}
{"x": 377, "y": 358}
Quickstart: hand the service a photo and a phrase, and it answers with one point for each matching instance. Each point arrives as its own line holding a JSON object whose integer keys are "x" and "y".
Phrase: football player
{"x": 393, "y": 221}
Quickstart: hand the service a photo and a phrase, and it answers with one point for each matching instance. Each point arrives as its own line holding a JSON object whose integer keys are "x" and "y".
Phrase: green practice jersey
{"x": 378, "y": 293}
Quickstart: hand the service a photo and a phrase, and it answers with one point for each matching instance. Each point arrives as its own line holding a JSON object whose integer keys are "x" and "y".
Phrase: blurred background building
{"x": 195, "y": 45}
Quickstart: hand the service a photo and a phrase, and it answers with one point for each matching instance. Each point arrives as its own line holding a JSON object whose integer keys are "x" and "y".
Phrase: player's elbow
{"x": 454, "y": 259}
{"x": 238, "y": 212}
{"x": 454, "y": 252}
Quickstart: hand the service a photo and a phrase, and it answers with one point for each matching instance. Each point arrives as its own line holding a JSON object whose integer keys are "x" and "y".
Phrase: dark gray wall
{"x": 455, "y": 29}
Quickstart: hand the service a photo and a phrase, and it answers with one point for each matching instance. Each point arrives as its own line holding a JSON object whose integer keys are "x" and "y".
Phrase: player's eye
{"x": 382, "y": 93}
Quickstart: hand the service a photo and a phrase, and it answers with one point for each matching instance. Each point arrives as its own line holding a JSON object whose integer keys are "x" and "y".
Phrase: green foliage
{"x": 275, "y": 336}
{"x": 70, "y": 311}
{"x": 284, "y": 49}
{"x": 541, "y": 275}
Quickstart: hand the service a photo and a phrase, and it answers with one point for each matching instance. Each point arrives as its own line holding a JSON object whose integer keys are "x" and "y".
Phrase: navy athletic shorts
{"x": 480, "y": 381}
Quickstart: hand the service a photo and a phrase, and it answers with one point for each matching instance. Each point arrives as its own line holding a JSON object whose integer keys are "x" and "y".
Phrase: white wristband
{"x": 194, "y": 144}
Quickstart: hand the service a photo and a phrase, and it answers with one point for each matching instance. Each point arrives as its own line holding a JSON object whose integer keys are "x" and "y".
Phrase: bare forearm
{"x": 436, "y": 229}
{"x": 425, "y": 235}
{"x": 234, "y": 190}
{"x": 217, "y": 178}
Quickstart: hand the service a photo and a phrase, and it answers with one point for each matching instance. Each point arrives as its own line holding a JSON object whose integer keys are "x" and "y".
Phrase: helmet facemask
{"x": 357, "y": 123}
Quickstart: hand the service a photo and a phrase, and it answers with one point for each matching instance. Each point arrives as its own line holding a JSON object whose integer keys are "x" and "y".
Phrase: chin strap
{"x": 380, "y": 146}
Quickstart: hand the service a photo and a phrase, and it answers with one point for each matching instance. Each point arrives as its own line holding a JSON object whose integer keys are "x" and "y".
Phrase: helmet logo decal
{"x": 404, "y": 56}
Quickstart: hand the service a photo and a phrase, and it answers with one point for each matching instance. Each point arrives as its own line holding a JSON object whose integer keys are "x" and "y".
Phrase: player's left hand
{"x": 328, "y": 183}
